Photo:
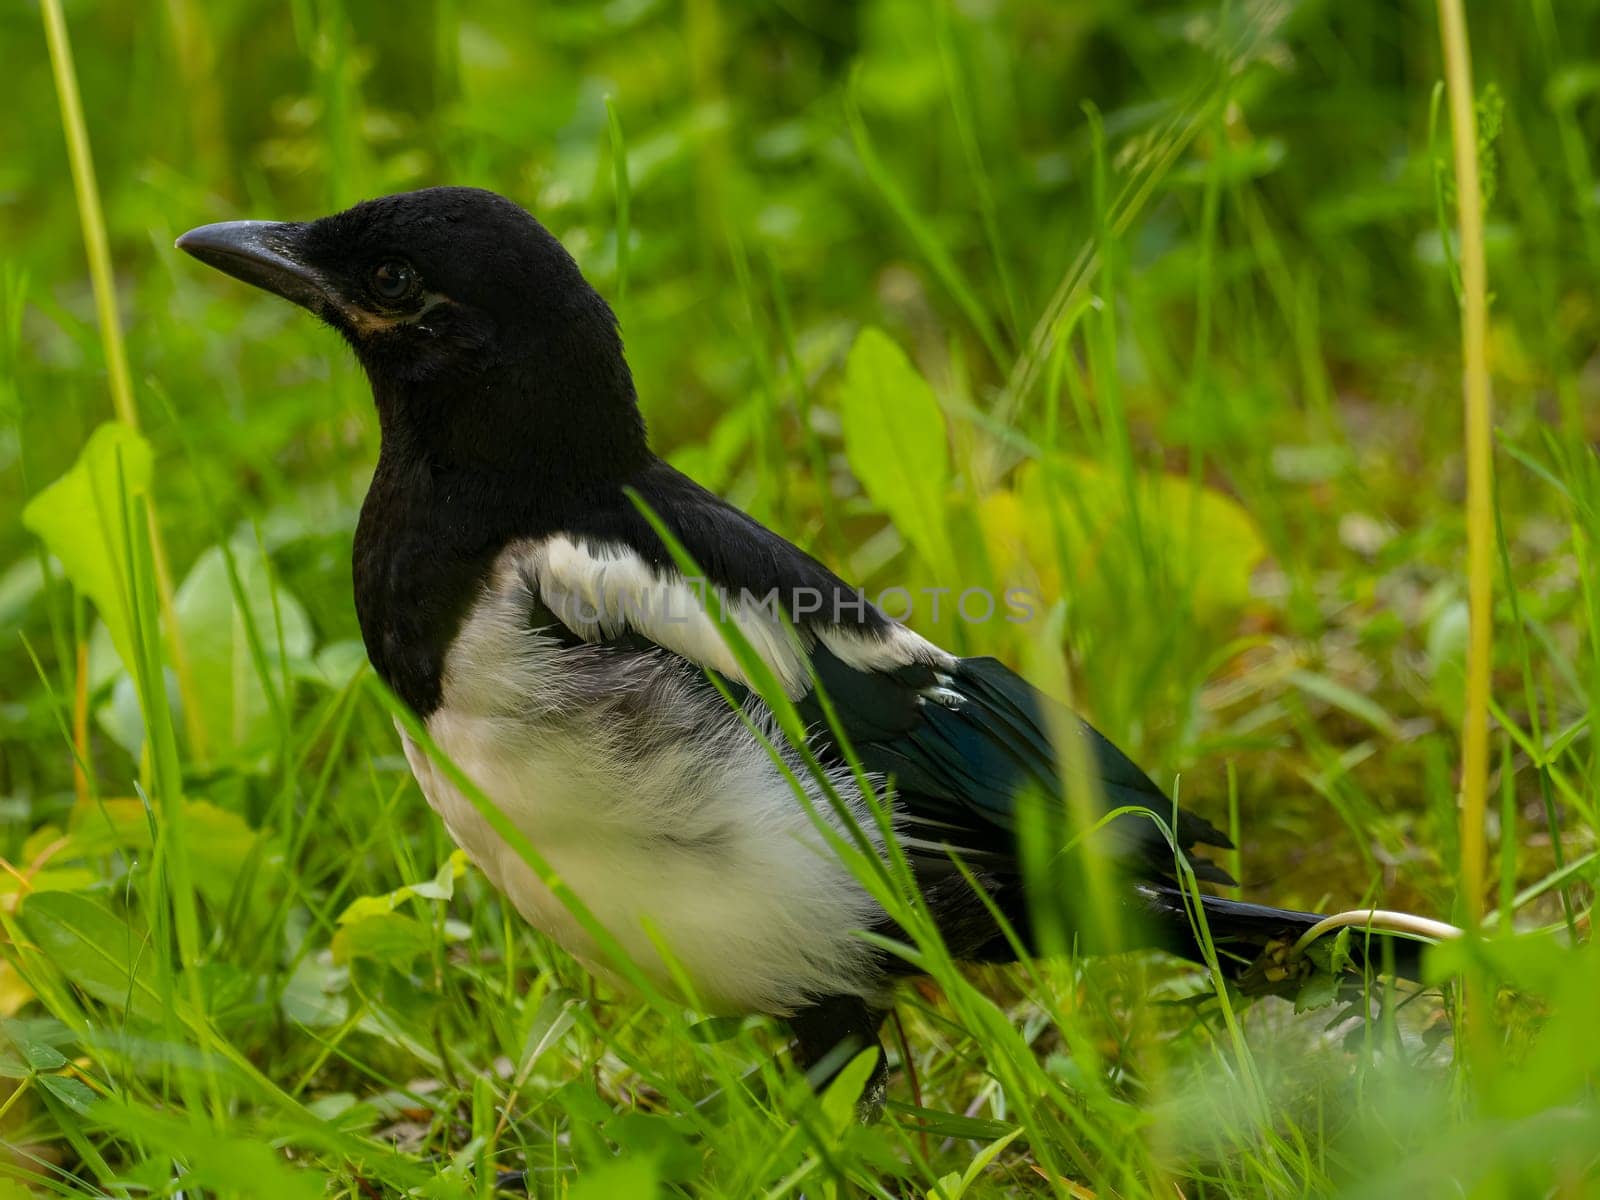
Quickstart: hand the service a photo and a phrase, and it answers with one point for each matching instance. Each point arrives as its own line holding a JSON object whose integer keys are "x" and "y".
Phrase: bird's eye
{"x": 393, "y": 280}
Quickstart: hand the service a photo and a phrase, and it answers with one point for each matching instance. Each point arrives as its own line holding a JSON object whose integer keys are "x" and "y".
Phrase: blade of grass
{"x": 1479, "y": 456}
{"x": 619, "y": 177}
{"x": 97, "y": 246}
{"x": 922, "y": 235}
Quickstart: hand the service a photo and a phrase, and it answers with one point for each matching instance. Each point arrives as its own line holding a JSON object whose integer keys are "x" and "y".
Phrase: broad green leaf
{"x": 951, "y": 1125}
{"x": 121, "y": 718}
{"x": 227, "y": 682}
{"x": 391, "y": 938}
{"x": 582, "y": 1103}
{"x": 313, "y": 994}
{"x": 74, "y": 1093}
{"x": 82, "y": 518}
{"x": 222, "y": 845}
{"x": 336, "y": 664}
{"x": 1318, "y": 991}
{"x": 223, "y": 848}
{"x": 1332, "y": 954}
{"x": 987, "y": 1155}
{"x": 440, "y": 887}
{"x": 660, "y": 1139}
{"x": 637, "y": 1178}
{"x": 225, "y": 986}
{"x": 443, "y": 884}
{"x": 557, "y": 1014}
{"x": 840, "y": 1098}
{"x": 49, "y": 879}
{"x": 954, "y": 1187}
{"x": 94, "y": 948}
{"x": 38, "y": 1054}
{"x": 894, "y": 436}
{"x": 1071, "y": 526}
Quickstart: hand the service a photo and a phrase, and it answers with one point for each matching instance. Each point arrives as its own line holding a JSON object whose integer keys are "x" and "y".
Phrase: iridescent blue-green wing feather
{"x": 963, "y": 745}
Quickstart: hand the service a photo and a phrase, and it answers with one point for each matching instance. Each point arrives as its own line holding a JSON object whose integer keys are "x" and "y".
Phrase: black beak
{"x": 266, "y": 254}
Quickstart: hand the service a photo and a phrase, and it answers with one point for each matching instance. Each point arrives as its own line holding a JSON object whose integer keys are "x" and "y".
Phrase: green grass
{"x": 1150, "y": 311}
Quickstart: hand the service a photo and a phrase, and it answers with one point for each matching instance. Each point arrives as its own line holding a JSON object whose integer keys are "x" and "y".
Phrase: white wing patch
{"x": 899, "y": 647}
{"x": 598, "y": 592}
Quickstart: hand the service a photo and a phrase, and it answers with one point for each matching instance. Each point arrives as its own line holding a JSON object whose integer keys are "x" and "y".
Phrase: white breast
{"x": 652, "y": 801}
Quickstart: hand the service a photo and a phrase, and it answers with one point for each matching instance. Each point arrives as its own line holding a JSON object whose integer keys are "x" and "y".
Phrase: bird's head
{"x": 469, "y": 317}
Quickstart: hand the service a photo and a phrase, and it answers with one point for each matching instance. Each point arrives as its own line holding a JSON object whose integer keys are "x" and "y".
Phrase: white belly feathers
{"x": 651, "y": 800}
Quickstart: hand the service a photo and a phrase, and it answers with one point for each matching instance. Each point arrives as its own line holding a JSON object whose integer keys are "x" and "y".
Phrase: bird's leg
{"x": 831, "y": 1032}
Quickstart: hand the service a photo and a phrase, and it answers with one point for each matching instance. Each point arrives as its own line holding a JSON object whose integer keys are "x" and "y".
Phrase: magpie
{"x": 514, "y": 593}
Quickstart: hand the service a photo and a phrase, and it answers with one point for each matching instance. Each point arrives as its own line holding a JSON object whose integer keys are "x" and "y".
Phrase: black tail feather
{"x": 1252, "y": 940}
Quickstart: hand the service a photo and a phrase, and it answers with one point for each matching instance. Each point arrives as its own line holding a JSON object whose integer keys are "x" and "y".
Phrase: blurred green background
{"x": 1178, "y": 282}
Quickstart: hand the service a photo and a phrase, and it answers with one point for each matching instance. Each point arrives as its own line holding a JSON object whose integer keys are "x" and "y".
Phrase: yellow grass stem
{"x": 93, "y": 220}
{"x": 97, "y": 247}
{"x": 1480, "y": 463}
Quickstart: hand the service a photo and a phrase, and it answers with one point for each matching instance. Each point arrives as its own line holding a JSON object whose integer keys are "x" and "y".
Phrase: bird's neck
{"x": 465, "y": 468}
{"x": 528, "y": 424}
